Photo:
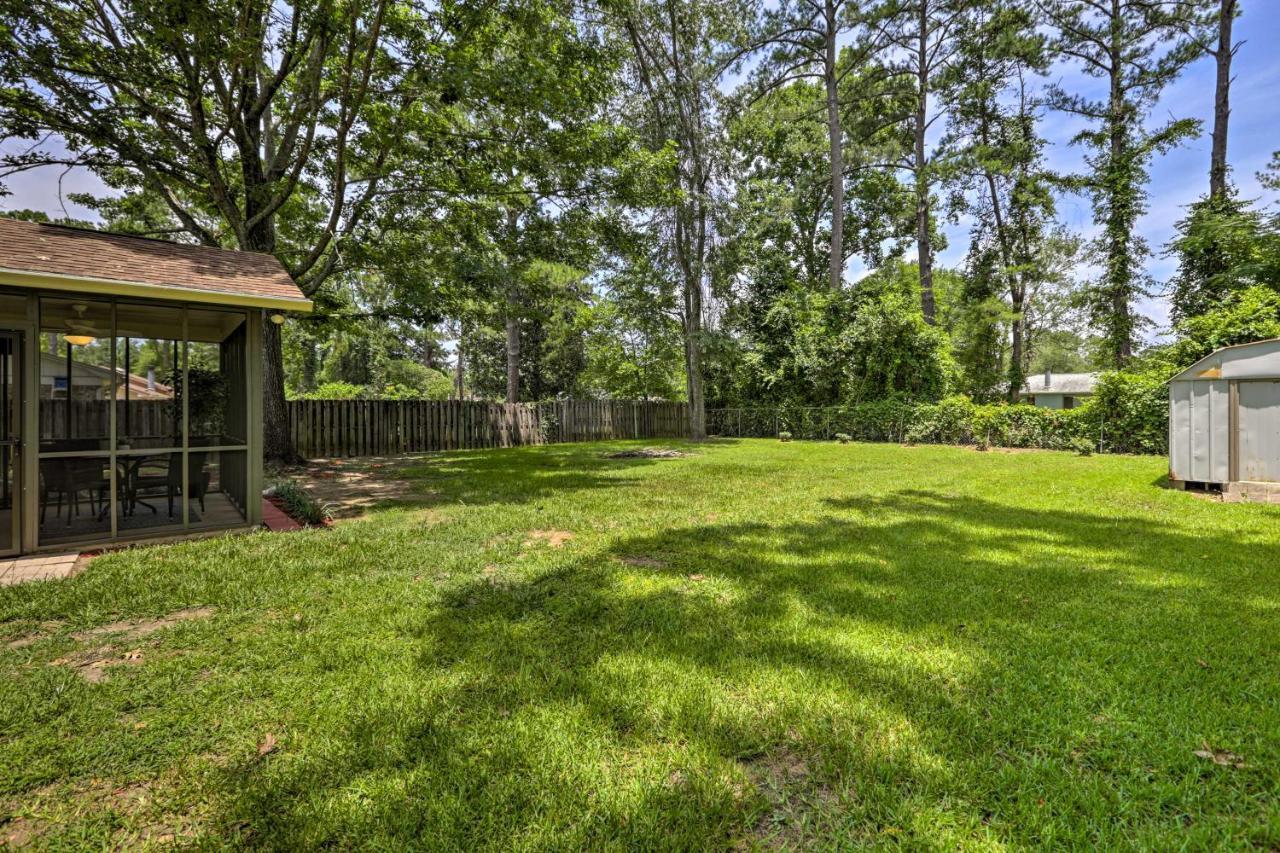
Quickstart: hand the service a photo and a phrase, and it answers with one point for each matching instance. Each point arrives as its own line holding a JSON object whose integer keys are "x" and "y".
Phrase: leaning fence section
{"x": 328, "y": 428}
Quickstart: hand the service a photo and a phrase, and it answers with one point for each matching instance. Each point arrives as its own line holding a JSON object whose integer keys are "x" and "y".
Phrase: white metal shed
{"x": 1224, "y": 417}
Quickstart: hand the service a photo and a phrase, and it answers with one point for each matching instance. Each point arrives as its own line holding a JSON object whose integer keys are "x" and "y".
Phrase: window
{"x": 1068, "y": 402}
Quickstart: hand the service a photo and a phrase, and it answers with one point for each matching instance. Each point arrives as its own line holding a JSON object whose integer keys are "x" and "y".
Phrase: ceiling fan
{"x": 80, "y": 332}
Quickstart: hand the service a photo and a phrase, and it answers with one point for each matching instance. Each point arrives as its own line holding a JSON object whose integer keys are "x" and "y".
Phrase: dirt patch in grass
{"x": 647, "y": 453}
{"x": 137, "y": 628}
{"x": 45, "y": 630}
{"x": 784, "y": 778}
{"x": 91, "y": 664}
{"x": 348, "y": 488}
{"x": 642, "y": 562}
{"x": 551, "y": 538}
{"x": 138, "y": 804}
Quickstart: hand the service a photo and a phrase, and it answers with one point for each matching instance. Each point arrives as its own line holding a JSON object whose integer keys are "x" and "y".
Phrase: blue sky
{"x": 1177, "y": 179}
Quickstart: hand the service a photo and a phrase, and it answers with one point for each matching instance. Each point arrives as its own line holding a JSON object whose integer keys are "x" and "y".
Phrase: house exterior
{"x": 1224, "y": 421}
{"x": 130, "y": 386}
{"x": 1059, "y": 390}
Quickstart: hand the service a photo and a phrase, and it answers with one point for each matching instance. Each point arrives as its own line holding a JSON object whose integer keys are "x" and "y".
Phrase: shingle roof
{"x": 59, "y": 250}
{"x": 1061, "y": 383}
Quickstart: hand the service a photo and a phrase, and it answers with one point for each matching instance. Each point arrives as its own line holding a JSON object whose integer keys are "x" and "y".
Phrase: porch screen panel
{"x": 77, "y": 382}
{"x": 149, "y": 364}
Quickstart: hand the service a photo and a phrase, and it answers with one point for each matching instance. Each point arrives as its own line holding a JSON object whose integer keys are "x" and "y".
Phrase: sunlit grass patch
{"x": 757, "y": 644}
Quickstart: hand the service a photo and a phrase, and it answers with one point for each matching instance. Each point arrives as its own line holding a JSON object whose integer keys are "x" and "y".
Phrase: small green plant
{"x": 1082, "y": 446}
{"x": 784, "y": 436}
{"x": 300, "y": 505}
{"x": 983, "y": 444}
{"x": 843, "y": 437}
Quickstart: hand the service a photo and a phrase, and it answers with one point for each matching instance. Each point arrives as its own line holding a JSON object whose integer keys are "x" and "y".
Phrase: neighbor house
{"x": 1058, "y": 390}
{"x": 130, "y": 385}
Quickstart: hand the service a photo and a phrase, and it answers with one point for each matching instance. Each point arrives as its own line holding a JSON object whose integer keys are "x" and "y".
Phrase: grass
{"x": 759, "y": 644}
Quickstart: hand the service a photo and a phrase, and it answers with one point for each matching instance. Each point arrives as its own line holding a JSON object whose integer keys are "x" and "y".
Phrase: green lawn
{"x": 761, "y": 644}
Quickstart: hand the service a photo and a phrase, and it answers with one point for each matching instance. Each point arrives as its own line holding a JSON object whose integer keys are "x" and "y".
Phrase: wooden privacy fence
{"x": 386, "y": 427}
{"x": 60, "y": 419}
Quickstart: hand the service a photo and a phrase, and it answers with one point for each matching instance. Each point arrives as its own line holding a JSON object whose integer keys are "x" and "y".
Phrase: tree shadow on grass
{"x": 936, "y": 665}
{"x": 522, "y": 474}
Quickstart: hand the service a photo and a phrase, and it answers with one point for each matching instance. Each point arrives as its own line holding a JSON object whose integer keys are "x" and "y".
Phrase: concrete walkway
{"x": 38, "y": 567}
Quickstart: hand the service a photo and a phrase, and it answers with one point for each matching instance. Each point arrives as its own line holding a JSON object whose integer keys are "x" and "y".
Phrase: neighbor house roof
{"x": 1060, "y": 383}
{"x": 139, "y": 387}
{"x": 59, "y": 257}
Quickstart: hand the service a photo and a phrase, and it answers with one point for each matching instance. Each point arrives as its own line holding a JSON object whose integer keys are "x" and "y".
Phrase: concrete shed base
{"x": 1251, "y": 492}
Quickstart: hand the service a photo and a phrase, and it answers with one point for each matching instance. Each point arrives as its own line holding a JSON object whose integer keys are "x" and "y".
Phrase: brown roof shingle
{"x": 65, "y": 251}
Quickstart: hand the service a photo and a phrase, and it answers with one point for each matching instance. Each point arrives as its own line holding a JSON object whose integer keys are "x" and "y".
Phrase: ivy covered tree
{"x": 1224, "y": 245}
{"x": 1137, "y": 48}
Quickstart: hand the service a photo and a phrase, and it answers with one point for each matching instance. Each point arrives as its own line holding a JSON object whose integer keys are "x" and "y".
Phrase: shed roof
{"x": 60, "y": 257}
{"x": 1255, "y": 360}
{"x": 1061, "y": 383}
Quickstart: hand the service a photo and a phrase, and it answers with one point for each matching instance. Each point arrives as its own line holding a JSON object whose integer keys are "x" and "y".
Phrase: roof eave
{"x": 115, "y": 287}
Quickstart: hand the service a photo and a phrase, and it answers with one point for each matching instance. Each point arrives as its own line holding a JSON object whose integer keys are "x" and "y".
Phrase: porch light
{"x": 80, "y": 340}
{"x": 277, "y": 318}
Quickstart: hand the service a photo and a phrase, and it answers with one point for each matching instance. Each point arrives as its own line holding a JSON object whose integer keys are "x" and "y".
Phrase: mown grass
{"x": 807, "y": 645}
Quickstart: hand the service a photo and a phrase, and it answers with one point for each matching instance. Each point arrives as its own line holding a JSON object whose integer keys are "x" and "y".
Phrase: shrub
{"x": 336, "y": 391}
{"x": 1082, "y": 446}
{"x": 843, "y": 437}
{"x": 1129, "y": 412}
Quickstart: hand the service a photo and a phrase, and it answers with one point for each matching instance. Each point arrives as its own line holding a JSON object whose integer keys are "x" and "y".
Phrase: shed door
{"x": 1259, "y": 426}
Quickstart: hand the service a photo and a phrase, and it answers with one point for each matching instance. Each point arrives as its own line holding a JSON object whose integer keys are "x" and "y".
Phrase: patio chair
{"x": 166, "y": 475}
{"x": 68, "y": 479}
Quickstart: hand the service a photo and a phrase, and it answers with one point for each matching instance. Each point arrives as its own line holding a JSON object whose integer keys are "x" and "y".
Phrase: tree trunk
{"x": 924, "y": 238}
{"x": 693, "y": 360}
{"x": 690, "y": 254}
{"x": 277, "y": 444}
{"x": 1222, "y": 101}
{"x": 836, "y": 137}
{"x": 513, "y": 317}
{"x": 513, "y": 351}
{"x": 458, "y": 374}
{"x": 1017, "y": 372}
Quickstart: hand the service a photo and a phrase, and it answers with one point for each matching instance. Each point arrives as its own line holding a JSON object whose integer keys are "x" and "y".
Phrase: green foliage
{"x": 299, "y": 503}
{"x": 336, "y": 391}
{"x": 409, "y": 380}
{"x": 1129, "y": 411}
{"x": 1248, "y": 315}
{"x": 892, "y": 351}
{"x": 784, "y": 436}
{"x": 1223, "y": 246}
{"x": 843, "y": 437}
{"x": 953, "y": 420}
{"x": 1064, "y": 351}
{"x": 633, "y": 344}
{"x": 1128, "y": 415}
